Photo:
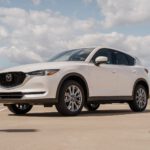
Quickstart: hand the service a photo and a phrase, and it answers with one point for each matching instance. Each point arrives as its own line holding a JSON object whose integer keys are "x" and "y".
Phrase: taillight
{"x": 146, "y": 70}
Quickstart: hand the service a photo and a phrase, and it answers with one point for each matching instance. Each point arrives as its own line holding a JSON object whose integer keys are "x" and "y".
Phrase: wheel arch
{"x": 143, "y": 82}
{"x": 76, "y": 77}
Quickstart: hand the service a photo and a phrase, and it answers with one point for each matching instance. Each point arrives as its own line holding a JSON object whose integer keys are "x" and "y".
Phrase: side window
{"x": 137, "y": 61}
{"x": 103, "y": 52}
{"x": 121, "y": 59}
{"x": 131, "y": 60}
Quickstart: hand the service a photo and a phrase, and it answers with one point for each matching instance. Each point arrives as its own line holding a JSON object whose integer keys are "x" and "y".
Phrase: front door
{"x": 103, "y": 78}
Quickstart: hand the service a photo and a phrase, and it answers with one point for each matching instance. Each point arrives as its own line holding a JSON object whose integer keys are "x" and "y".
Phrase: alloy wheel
{"x": 73, "y": 98}
{"x": 141, "y": 98}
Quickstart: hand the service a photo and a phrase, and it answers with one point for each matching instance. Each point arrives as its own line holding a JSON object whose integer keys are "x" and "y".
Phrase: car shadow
{"x": 18, "y": 130}
{"x": 87, "y": 113}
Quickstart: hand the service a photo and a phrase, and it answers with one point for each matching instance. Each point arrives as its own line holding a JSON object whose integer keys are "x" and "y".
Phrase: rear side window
{"x": 138, "y": 62}
{"x": 123, "y": 59}
{"x": 131, "y": 60}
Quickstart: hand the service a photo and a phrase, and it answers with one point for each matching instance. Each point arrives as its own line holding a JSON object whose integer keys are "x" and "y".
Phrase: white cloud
{"x": 39, "y": 32}
{"x": 120, "y": 12}
{"x": 3, "y": 32}
{"x": 31, "y": 36}
{"x": 14, "y": 54}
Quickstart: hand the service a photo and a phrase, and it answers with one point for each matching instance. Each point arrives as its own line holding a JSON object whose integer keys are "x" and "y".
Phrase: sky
{"x": 33, "y": 30}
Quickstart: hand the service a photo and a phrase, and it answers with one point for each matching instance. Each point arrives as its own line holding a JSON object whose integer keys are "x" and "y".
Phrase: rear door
{"x": 125, "y": 73}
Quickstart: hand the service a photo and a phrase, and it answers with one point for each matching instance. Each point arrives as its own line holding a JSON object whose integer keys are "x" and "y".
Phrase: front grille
{"x": 12, "y": 79}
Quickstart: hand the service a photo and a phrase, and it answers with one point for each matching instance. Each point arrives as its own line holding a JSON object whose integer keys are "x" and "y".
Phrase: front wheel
{"x": 140, "y": 101}
{"x": 19, "y": 109}
{"x": 71, "y": 98}
{"x": 92, "y": 106}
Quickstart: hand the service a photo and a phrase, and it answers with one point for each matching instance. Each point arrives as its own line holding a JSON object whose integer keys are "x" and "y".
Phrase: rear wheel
{"x": 20, "y": 109}
{"x": 92, "y": 106}
{"x": 71, "y": 98}
{"x": 140, "y": 101}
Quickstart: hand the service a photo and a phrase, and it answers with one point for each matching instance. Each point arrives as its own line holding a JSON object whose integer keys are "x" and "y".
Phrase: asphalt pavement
{"x": 112, "y": 127}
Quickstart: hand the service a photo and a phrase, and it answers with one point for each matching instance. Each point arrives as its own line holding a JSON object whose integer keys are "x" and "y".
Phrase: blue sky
{"x": 31, "y": 30}
{"x": 72, "y": 8}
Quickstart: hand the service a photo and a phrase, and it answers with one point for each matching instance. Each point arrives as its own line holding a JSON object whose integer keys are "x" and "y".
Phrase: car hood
{"x": 42, "y": 66}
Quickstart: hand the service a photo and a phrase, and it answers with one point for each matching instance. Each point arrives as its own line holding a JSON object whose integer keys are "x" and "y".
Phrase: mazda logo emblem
{"x": 9, "y": 77}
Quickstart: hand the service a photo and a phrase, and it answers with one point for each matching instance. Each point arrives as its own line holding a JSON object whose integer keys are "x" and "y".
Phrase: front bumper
{"x": 35, "y": 90}
{"x": 45, "y": 102}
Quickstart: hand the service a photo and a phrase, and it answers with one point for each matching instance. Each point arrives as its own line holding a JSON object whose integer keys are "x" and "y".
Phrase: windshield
{"x": 73, "y": 55}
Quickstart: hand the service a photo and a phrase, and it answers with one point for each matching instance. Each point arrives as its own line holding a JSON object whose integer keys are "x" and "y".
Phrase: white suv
{"x": 70, "y": 80}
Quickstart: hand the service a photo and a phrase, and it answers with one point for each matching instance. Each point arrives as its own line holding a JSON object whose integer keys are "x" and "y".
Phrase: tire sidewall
{"x": 13, "y": 108}
{"x": 61, "y": 106}
{"x": 135, "y": 102}
{"x": 89, "y": 107}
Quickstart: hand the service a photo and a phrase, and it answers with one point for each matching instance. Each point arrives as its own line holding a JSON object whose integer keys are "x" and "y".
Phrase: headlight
{"x": 43, "y": 72}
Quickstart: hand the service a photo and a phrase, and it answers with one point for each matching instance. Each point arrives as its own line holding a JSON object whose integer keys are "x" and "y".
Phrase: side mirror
{"x": 101, "y": 60}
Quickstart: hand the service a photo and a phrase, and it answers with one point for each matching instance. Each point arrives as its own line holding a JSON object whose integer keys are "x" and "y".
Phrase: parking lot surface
{"x": 112, "y": 127}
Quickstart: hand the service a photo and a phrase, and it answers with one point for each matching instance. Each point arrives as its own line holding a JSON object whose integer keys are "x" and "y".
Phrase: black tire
{"x": 19, "y": 109}
{"x": 66, "y": 102}
{"x": 140, "y": 101}
{"x": 92, "y": 106}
